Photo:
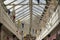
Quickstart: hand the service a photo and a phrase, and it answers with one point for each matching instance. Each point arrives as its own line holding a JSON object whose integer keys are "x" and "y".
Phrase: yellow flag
{"x": 19, "y": 23}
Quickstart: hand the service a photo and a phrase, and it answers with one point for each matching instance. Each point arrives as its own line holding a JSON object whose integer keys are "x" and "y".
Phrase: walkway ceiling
{"x": 22, "y": 10}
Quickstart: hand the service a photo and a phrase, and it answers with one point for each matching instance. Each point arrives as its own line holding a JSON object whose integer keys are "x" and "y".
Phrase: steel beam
{"x": 26, "y": 4}
{"x": 30, "y": 5}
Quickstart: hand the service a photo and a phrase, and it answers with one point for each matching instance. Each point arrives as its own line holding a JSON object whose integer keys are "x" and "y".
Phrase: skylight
{"x": 22, "y": 8}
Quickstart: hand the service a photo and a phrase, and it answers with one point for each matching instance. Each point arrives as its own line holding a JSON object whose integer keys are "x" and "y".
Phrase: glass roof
{"x": 22, "y": 10}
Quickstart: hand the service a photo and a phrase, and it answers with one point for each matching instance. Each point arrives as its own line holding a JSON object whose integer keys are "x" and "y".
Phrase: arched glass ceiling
{"x": 22, "y": 10}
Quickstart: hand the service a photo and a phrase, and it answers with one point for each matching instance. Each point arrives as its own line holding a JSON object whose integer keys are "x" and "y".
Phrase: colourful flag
{"x": 19, "y": 23}
{"x": 38, "y": 1}
{"x": 22, "y": 25}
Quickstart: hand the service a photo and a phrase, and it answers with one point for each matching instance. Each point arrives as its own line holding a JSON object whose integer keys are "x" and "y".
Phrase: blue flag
{"x": 38, "y": 1}
{"x": 22, "y": 25}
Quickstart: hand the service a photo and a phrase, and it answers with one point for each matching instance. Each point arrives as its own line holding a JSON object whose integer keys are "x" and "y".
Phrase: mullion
{"x": 36, "y": 12}
{"x": 22, "y": 9}
{"x": 21, "y": 2}
{"x": 24, "y": 16}
{"x": 19, "y": 7}
{"x": 17, "y": 4}
{"x": 40, "y": 3}
{"x": 11, "y": 2}
{"x": 38, "y": 8}
{"x": 22, "y": 12}
{"x": 35, "y": 15}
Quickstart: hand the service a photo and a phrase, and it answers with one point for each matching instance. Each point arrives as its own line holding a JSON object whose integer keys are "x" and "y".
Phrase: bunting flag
{"x": 21, "y": 32}
{"x": 19, "y": 23}
{"x": 8, "y": 11}
{"x": 33, "y": 31}
{"x": 59, "y": 2}
{"x": 22, "y": 25}
{"x": 38, "y": 1}
{"x": 36, "y": 31}
{"x": 7, "y": 38}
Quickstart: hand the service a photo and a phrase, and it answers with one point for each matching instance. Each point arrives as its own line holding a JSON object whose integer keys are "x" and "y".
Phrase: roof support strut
{"x": 30, "y": 5}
